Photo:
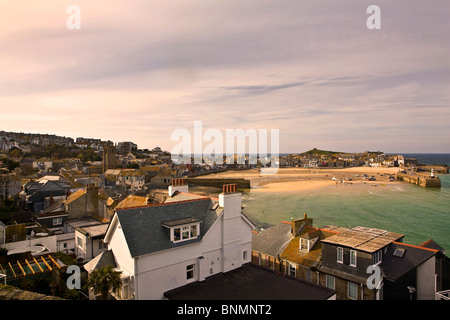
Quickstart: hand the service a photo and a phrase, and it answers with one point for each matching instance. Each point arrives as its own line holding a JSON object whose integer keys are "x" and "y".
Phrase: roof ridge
{"x": 417, "y": 247}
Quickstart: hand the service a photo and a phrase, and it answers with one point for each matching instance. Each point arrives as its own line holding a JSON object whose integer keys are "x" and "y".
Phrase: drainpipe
{"x": 362, "y": 291}
{"x": 136, "y": 274}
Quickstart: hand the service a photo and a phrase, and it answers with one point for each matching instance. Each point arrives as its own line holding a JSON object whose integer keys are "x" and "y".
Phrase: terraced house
{"x": 346, "y": 260}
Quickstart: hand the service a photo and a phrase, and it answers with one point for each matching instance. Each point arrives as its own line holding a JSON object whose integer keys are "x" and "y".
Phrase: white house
{"x": 89, "y": 241}
{"x": 158, "y": 248}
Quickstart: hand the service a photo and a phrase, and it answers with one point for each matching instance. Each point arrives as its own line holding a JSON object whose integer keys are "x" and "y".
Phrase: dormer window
{"x": 183, "y": 229}
{"x": 304, "y": 245}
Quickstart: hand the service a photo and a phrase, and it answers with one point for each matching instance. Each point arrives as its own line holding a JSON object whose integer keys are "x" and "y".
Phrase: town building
{"x": 344, "y": 259}
{"x": 177, "y": 243}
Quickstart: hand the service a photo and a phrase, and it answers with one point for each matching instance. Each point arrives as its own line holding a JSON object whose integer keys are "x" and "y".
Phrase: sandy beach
{"x": 302, "y": 179}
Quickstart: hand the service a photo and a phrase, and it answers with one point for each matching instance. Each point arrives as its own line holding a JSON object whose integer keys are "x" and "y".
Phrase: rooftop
{"x": 144, "y": 229}
{"x": 250, "y": 282}
{"x": 362, "y": 238}
{"x": 132, "y": 201}
{"x": 401, "y": 258}
{"x": 94, "y": 231}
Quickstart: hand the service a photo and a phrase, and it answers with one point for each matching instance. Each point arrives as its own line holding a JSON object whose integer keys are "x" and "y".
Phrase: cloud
{"x": 139, "y": 70}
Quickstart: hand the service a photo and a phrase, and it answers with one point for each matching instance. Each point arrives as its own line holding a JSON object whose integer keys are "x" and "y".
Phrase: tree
{"x": 103, "y": 280}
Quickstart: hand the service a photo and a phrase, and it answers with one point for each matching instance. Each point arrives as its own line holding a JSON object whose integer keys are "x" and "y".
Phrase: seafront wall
{"x": 420, "y": 180}
{"x": 218, "y": 183}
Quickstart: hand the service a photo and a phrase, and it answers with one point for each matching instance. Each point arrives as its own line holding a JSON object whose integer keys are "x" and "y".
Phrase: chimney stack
{"x": 178, "y": 184}
{"x": 297, "y": 225}
{"x": 229, "y": 188}
{"x": 230, "y": 200}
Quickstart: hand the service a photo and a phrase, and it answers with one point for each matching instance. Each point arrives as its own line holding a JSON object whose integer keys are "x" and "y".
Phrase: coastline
{"x": 305, "y": 179}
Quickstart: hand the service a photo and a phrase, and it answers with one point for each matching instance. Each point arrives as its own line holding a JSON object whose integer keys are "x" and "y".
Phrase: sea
{"x": 416, "y": 212}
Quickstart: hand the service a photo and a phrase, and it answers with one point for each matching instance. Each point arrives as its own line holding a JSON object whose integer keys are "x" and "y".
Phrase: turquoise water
{"x": 418, "y": 213}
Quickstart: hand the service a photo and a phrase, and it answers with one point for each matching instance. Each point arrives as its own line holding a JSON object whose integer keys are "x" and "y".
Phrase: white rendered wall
{"x": 426, "y": 280}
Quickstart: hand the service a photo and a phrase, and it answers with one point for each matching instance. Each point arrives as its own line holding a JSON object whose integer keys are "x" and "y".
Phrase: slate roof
{"x": 272, "y": 241}
{"x": 144, "y": 228}
{"x": 106, "y": 258}
{"x": 309, "y": 259}
{"x": 251, "y": 282}
{"x": 432, "y": 245}
{"x": 395, "y": 266}
{"x": 37, "y": 191}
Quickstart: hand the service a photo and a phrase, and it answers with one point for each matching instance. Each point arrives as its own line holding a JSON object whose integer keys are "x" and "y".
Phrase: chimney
{"x": 179, "y": 185}
{"x": 297, "y": 225}
{"x": 230, "y": 201}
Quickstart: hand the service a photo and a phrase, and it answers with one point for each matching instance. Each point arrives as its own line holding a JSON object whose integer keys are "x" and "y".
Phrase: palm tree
{"x": 103, "y": 280}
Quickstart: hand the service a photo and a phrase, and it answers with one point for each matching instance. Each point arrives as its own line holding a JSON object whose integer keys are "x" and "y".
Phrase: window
{"x": 57, "y": 221}
{"x": 330, "y": 282}
{"x": 377, "y": 257}
{"x": 190, "y": 272}
{"x": 79, "y": 241}
{"x": 353, "y": 258}
{"x": 292, "y": 270}
{"x": 185, "y": 232}
{"x": 176, "y": 234}
{"x": 340, "y": 255}
{"x": 304, "y": 244}
{"x": 193, "y": 231}
{"x": 352, "y": 290}
{"x": 101, "y": 245}
{"x": 244, "y": 255}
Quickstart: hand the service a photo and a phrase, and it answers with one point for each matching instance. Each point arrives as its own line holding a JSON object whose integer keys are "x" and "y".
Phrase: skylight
{"x": 399, "y": 252}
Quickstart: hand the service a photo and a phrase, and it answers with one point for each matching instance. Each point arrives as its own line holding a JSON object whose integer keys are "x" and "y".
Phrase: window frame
{"x": 349, "y": 284}
{"x": 184, "y": 232}
{"x": 327, "y": 284}
{"x": 302, "y": 242}
{"x": 340, "y": 255}
{"x": 377, "y": 257}
{"x": 292, "y": 270}
{"x": 190, "y": 269}
{"x": 353, "y": 253}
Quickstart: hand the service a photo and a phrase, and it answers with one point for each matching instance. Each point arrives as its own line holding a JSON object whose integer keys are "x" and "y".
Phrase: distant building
{"x": 109, "y": 156}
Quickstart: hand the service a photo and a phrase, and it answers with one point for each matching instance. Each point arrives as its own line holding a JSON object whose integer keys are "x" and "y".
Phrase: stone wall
{"x": 218, "y": 183}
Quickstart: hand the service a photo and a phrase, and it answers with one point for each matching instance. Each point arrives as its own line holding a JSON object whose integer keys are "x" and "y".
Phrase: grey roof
{"x": 251, "y": 282}
{"x": 396, "y": 265}
{"x": 54, "y": 188}
{"x": 179, "y": 222}
{"x": 144, "y": 228}
{"x": 273, "y": 240}
{"x": 94, "y": 231}
{"x": 106, "y": 258}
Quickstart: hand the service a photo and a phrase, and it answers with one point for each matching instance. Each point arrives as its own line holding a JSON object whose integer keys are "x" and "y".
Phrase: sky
{"x": 138, "y": 70}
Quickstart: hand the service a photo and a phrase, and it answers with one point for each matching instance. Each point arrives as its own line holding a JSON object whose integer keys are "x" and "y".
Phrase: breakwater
{"x": 420, "y": 180}
{"x": 218, "y": 183}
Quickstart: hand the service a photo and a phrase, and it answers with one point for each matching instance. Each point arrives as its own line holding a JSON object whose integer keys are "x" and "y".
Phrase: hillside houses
{"x": 317, "y": 159}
